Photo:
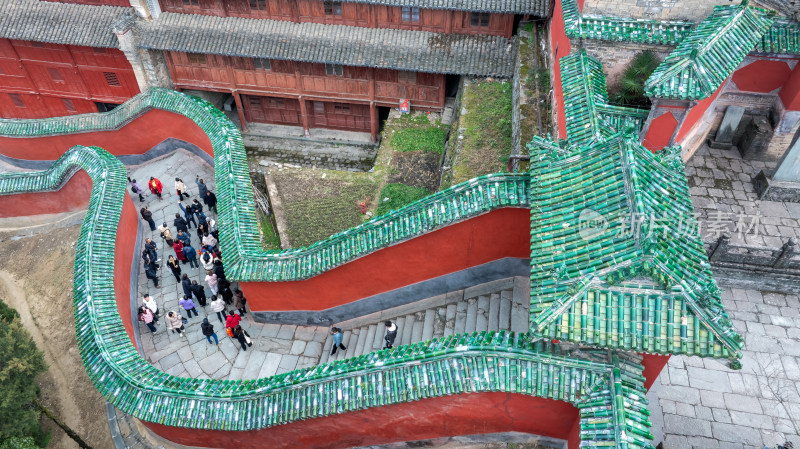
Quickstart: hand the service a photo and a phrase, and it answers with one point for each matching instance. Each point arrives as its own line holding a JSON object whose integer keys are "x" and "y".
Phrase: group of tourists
{"x": 388, "y": 337}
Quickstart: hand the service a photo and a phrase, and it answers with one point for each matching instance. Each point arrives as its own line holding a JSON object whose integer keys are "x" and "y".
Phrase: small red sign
{"x": 405, "y": 106}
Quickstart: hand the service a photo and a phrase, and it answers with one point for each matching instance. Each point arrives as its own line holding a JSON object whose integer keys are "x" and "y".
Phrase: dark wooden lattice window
{"x": 334, "y": 69}
{"x": 409, "y": 14}
{"x": 341, "y": 108}
{"x": 407, "y": 77}
{"x": 276, "y": 102}
{"x": 262, "y": 63}
{"x": 17, "y": 100}
{"x": 99, "y": 51}
{"x": 112, "y": 79}
{"x": 260, "y": 5}
{"x": 191, "y": 2}
{"x": 333, "y": 7}
{"x": 69, "y": 105}
{"x": 197, "y": 58}
{"x": 479, "y": 19}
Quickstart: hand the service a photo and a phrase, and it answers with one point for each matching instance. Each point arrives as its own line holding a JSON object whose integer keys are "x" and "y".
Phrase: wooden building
{"x": 48, "y": 70}
{"x": 311, "y": 63}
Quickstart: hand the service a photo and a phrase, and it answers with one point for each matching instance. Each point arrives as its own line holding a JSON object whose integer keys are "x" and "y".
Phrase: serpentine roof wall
{"x": 607, "y": 387}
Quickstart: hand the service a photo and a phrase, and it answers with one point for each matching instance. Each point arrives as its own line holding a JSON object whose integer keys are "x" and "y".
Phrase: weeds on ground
{"x": 417, "y": 134}
{"x": 271, "y": 241}
{"x": 395, "y": 196}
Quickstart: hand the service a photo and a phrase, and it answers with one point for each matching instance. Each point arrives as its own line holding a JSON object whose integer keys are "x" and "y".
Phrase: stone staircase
{"x": 502, "y": 304}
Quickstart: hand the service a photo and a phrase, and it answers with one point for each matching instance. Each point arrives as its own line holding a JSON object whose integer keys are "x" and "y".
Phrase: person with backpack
{"x": 337, "y": 340}
{"x": 155, "y": 187}
{"x": 218, "y": 306}
{"x": 136, "y": 189}
{"x": 243, "y": 337}
{"x": 148, "y": 217}
{"x": 391, "y": 334}
{"x": 208, "y": 331}
{"x": 146, "y": 316}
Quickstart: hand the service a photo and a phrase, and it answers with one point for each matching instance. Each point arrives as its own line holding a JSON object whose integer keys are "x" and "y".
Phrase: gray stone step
{"x": 369, "y": 341}
{"x": 493, "y": 323}
{"x": 450, "y": 320}
{"x": 472, "y": 315}
{"x": 427, "y": 324}
{"x": 326, "y": 350}
{"x": 505, "y": 310}
{"x": 461, "y": 317}
{"x": 482, "y": 321}
{"x": 439, "y": 321}
{"x": 520, "y": 305}
{"x": 405, "y": 334}
{"x": 380, "y": 330}
{"x": 358, "y": 348}
{"x": 419, "y": 324}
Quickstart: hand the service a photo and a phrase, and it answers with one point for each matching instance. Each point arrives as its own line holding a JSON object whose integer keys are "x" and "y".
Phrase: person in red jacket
{"x": 155, "y": 187}
{"x": 233, "y": 320}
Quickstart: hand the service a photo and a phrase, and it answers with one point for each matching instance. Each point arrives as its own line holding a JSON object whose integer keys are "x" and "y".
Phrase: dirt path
{"x": 36, "y": 280}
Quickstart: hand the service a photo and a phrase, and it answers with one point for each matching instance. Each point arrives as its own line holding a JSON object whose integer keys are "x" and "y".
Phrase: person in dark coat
{"x": 184, "y": 237}
{"x": 201, "y": 186}
{"x": 180, "y": 223}
{"x": 211, "y": 201}
{"x": 199, "y": 293}
{"x": 186, "y": 284}
{"x": 208, "y": 331}
{"x": 239, "y": 301}
{"x": 197, "y": 208}
{"x": 220, "y": 272}
{"x": 243, "y": 337}
{"x": 148, "y": 217}
{"x": 175, "y": 267}
{"x": 151, "y": 248}
{"x": 151, "y": 273}
{"x": 188, "y": 215}
{"x": 191, "y": 255}
{"x": 148, "y": 260}
{"x": 202, "y": 228}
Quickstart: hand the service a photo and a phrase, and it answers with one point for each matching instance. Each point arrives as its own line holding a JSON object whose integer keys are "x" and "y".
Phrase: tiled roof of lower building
{"x": 709, "y": 54}
{"x": 540, "y": 8}
{"x": 334, "y": 44}
{"x": 60, "y": 23}
{"x": 588, "y": 114}
{"x": 616, "y": 261}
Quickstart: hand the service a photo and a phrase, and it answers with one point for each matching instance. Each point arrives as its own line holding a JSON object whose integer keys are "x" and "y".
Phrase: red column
{"x": 238, "y": 99}
{"x": 790, "y": 92}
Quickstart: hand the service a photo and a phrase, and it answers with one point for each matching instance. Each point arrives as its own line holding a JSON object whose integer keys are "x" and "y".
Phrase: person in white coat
{"x": 218, "y": 305}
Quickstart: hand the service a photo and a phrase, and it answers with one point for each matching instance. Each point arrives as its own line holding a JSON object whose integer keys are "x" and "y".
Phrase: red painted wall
{"x": 653, "y": 364}
{"x": 124, "y": 256}
{"x": 762, "y": 76}
{"x": 560, "y": 44}
{"x": 659, "y": 132}
{"x": 137, "y": 137}
{"x": 73, "y": 196}
{"x": 491, "y": 236}
{"x": 695, "y": 114}
{"x": 790, "y": 93}
{"x": 424, "y": 419}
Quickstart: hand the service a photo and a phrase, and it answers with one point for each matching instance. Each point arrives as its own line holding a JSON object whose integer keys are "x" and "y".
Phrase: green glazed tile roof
{"x": 607, "y": 387}
{"x": 588, "y": 115}
{"x": 782, "y": 37}
{"x": 615, "y": 257}
{"x": 711, "y": 52}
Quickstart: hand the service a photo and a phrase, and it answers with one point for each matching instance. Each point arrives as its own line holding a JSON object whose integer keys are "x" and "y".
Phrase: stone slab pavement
{"x": 701, "y": 403}
{"x": 720, "y": 182}
{"x": 276, "y": 348}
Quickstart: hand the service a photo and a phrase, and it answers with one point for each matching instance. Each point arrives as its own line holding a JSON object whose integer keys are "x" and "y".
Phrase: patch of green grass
{"x": 328, "y": 206}
{"x": 487, "y": 134}
{"x": 271, "y": 240}
{"x": 429, "y": 139}
{"x": 398, "y": 196}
